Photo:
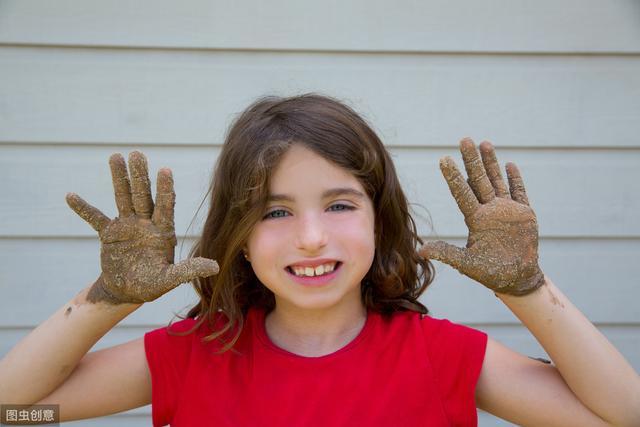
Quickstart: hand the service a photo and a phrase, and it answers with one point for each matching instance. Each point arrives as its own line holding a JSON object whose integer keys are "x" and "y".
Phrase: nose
{"x": 311, "y": 233}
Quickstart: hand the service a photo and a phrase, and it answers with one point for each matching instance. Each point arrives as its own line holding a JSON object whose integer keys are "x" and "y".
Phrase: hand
{"x": 502, "y": 247}
{"x": 137, "y": 247}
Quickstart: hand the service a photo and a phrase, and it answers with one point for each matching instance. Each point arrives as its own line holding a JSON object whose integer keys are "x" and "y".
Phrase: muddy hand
{"x": 137, "y": 247}
{"x": 502, "y": 247}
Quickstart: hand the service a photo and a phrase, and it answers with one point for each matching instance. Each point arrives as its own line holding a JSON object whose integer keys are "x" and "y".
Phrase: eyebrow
{"x": 333, "y": 192}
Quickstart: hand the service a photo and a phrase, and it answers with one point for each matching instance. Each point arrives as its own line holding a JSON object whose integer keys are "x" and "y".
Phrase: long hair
{"x": 254, "y": 144}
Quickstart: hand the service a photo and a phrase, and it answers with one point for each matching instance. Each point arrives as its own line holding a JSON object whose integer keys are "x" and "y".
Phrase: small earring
{"x": 246, "y": 256}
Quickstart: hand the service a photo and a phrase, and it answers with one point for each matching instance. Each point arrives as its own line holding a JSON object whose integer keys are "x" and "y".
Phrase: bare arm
{"x": 45, "y": 358}
{"x": 591, "y": 384}
{"x": 137, "y": 255}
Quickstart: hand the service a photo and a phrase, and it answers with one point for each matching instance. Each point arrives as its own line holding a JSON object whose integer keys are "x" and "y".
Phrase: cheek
{"x": 358, "y": 236}
{"x": 264, "y": 246}
{"x": 265, "y": 242}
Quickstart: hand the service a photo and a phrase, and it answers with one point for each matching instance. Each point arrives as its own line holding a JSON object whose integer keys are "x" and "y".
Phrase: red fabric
{"x": 405, "y": 370}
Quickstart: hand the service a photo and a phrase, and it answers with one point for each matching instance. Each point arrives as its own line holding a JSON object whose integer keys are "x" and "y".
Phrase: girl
{"x": 309, "y": 314}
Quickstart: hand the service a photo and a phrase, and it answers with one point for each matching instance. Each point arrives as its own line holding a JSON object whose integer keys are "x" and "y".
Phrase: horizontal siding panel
{"x": 30, "y": 295}
{"x": 575, "y": 193}
{"x": 603, "y": 291}
{"x": 487, "y": 420}
{"x": 123, "y": 419}
{"x": 461, "y": 25}
{"x": 45, "y": 274}
{"x": 133, "y": 96}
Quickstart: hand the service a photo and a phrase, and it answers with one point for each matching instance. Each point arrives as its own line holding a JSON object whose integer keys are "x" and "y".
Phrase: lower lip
{"x": 315, "y": 280}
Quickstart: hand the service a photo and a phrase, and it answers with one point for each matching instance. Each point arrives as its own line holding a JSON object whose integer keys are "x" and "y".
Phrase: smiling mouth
{"x": 320, "y": 270}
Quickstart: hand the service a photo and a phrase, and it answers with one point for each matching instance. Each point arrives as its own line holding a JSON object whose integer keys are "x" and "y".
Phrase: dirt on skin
{"x": 137, "y": 247}
{"x": 554, "y": 299}
{"x": 502, "y": 247}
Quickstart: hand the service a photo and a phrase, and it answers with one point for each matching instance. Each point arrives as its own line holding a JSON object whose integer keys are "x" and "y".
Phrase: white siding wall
{"x": 555, "y": 86}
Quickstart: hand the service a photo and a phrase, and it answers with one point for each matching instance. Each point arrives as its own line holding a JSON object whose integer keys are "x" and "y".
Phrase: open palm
{"x": 137, "y": 247}
{"x": 502, "y": 247}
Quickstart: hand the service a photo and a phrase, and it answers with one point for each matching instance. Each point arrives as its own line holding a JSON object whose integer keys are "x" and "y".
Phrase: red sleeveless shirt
{"x": 402, "y": 370}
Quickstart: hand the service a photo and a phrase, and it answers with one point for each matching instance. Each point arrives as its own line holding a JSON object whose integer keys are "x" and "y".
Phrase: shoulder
{"x": 454, "y": 351}
{"x": 454, "y": 355}
{"x": 433, "y": 329}
{"x": 444, "y": 340}
{"x": 170, "y": 343}
{"x": 178, "y": 337}
{"x": 444, "y": 331}
{"x": 453, "y": 344}
{"x": 173, "y": 332}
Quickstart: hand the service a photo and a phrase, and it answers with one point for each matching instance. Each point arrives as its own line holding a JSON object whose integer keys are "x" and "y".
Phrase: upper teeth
{"x": 310, "y": 271}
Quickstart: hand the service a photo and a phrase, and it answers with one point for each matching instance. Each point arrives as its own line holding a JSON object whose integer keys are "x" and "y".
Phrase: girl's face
{"x": 318, "y": 216}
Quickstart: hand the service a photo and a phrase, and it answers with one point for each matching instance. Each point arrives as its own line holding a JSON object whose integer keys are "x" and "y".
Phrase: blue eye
{"x": 281, "y": 213}
{"x": 278, "y": 213}
{"x": 342, "y": 207}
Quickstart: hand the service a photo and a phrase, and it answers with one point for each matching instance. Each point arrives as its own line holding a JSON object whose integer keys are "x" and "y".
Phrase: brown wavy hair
{"x": 254, "y": 144}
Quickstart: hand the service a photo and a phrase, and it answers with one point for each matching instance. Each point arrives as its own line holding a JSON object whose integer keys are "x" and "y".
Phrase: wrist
{"x": 96, "y": 295}
{"x": 524, "y": 288}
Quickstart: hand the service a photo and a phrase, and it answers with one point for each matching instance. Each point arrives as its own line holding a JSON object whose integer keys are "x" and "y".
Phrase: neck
{"x": 314, "y": 333}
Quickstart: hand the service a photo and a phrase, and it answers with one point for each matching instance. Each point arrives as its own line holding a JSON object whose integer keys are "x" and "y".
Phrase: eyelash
{"x": 346, "y": 208}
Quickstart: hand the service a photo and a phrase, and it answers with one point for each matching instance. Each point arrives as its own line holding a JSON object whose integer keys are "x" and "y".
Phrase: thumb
{"x": 444, "y": 252}
{"x": 189, "y": 269}
{"x": 96, "y": 219}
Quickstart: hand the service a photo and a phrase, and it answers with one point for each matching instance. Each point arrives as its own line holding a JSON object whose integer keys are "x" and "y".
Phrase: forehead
{"x": 301, "y": 168}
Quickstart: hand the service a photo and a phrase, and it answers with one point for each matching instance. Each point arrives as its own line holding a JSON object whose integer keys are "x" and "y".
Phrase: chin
{"x": 320, "y": 302}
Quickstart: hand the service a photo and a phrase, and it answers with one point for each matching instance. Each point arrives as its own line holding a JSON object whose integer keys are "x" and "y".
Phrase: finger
{"x": 478, "y": 180}
{"x": 516, "y": 184}
{"x": 444, "y": 252}
{"x": 188, "y": 270}
{"x": 459, "y": 188}
{"x": 140, "y": 185}
{"x": 93, "y": 216}
{"x": 165, "y": 200}
{"x": 492, "y": 167}
{"x": 121, "y": 186}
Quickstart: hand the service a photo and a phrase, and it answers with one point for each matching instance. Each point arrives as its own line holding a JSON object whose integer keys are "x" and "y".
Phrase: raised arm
{"x": 591, "y": 382}
{"x": 137, "y": 255}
